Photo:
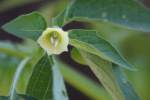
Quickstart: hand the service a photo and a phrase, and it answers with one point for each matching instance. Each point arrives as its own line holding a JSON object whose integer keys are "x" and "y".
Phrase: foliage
{"x": 89, "y": 48}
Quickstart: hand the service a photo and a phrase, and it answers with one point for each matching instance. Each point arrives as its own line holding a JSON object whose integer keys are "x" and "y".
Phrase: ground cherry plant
{"x": 46, "y": 81}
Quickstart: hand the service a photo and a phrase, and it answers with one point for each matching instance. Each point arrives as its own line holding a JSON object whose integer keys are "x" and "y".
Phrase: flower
{"x": 54, "y": 41}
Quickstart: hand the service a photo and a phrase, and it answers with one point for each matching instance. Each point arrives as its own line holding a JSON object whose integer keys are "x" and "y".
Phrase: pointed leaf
{"x": 89, "y": 41}
{"x": 129, "y": 13}
{"x": 103, "y": 70}
{"x": 26, "y": 26}
{"x": 40, "y": 83}
{"x": 46, "y": 82}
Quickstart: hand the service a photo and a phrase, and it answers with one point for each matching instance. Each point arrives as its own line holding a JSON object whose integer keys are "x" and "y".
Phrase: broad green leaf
{"x": 46, "y": 82}
{"x": 76, "y": 56}
{"x": 40, "y": 83}
{"x": 128, "y": 13}
{"x": 26, "y": 26}
{"x": 89, "y": 41}
{"x": 103, "y": 70}
{"x": 125, "y": 85}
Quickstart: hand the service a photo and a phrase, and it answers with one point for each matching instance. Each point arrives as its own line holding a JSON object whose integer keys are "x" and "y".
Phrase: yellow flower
{"x": 54, "y": 41}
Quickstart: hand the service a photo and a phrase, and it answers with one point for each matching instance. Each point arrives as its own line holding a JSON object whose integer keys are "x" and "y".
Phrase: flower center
{"x": 54, "y": 39}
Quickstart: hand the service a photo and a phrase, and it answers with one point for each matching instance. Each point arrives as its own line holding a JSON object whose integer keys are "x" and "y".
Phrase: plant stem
{"x": 19, "y": 55}
{"x": 16, "y": 77}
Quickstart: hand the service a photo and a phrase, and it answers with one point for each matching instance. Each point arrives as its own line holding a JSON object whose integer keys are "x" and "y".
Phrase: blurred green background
{"x": 134, "y": 45}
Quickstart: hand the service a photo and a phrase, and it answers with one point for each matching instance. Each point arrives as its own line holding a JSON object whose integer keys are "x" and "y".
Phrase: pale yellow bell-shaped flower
{"x": 54, "y": 40}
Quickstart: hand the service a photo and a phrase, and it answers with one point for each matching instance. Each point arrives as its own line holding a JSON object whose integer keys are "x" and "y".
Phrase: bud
{"x": 54, "y": 41}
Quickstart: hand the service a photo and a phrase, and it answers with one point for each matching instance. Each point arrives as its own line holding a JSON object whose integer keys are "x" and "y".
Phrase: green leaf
{"x": 40, "y": 83}
{"x": 46, "y": 82}
{"x": 103, "y": 70}
{"x": 76, "y": 56}
{"x": 27, "y": 26}
{"x": 125, "y": 85}
{"x": 89, "y": 41}
{"x": 128, "y": 13}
